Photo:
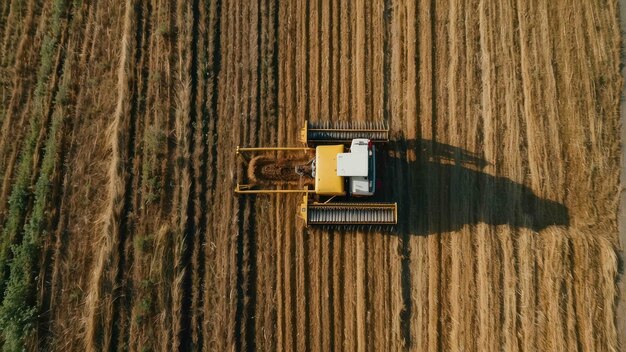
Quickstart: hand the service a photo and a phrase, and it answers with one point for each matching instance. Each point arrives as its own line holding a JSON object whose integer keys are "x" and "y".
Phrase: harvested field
{"x": 121, "y": 231}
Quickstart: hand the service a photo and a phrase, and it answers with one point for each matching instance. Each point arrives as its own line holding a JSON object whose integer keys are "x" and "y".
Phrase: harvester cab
{"x": 359, "y": 167}
{"x": 335, "y": 170}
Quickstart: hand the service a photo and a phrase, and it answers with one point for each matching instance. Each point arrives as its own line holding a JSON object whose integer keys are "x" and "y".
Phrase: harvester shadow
{"x": 441, "y": 188}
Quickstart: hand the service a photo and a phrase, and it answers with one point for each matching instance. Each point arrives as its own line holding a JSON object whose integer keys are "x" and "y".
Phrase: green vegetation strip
{"x": 18, "y": 200}
{"x": 18, "y": 312}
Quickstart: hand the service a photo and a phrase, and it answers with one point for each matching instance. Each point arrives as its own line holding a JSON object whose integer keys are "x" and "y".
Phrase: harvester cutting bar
{"x": 239, "y": 149}
{"x": 352, "y": 214}
{"x": 344, "y": 131}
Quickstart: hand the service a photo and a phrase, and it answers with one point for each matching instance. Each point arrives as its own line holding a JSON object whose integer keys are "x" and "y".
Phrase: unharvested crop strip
{"x": 27, "y": 169}
{"x": 20, "y": 301}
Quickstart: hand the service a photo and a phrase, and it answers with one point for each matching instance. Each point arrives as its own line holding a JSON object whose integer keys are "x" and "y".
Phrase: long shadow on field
{"x": 441, "y": 188}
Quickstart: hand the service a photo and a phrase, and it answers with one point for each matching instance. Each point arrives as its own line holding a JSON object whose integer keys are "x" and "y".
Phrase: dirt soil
{"x": 121, "y": 230}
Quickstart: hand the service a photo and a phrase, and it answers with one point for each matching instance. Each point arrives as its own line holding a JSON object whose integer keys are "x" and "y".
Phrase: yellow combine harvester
{"x": 335, "y": 181}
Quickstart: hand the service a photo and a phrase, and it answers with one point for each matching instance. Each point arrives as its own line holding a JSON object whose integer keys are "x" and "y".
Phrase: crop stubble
{"x": 498, "y": 111}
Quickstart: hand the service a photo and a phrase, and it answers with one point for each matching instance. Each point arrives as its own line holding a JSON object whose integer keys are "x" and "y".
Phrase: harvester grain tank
{"x": 335, "y": 169}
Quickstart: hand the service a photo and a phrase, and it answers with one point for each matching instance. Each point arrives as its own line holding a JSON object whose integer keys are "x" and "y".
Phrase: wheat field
{"x": 121, "y": 230}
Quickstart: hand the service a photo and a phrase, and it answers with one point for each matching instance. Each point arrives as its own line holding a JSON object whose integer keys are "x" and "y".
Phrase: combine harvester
{"x": 341, "y": 181}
